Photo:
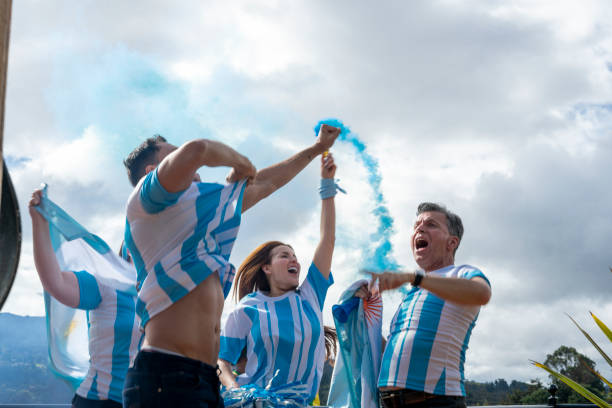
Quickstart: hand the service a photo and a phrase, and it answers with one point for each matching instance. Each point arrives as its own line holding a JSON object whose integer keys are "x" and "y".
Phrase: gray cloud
{"x": 500, "y": 111}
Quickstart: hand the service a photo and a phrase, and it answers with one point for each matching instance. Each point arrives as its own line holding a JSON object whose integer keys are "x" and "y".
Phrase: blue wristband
{"x": 329, "y": 188}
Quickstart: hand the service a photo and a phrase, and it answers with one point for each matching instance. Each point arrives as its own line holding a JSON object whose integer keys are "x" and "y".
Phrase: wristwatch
{"x": 418, "y": 277}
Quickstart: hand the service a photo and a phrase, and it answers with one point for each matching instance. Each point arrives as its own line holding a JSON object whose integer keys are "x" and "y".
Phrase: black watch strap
{"x": 418, "y": 277}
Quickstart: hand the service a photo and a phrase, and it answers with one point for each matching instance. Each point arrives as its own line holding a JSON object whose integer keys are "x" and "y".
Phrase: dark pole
{"x": 10, "y": 221}
{"x": 5, "y": 29}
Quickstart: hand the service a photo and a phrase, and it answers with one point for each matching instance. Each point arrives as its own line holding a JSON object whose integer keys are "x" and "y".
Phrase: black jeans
{"x": 162, "y": 380}
{"x": 80, "y": 402}
{"x": 418, "y": 399}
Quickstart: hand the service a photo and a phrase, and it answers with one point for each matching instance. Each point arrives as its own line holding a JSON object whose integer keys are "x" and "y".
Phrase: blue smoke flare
{"x": 379, "y": 256}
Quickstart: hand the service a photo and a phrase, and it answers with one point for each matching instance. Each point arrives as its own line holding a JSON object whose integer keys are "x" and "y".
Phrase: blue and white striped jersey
{"x": 114, "y": 337}
{"x": 283, "y": 333}
{"x": 178, "y": 239}
{"x": 428, "y": 340}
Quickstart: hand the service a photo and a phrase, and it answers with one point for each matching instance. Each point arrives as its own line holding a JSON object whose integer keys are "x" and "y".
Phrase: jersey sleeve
{"x": 90, "y": 296}
{"x": 470, "y": 273}
{"x": 315, "y": 286}
{"x": 234, "y": 335}
{"x": 154, "y": 197}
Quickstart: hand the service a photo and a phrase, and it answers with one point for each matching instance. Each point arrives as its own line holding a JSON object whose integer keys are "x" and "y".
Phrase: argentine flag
{"x": 77, "y": 249}
{"x": 359, "y": 328}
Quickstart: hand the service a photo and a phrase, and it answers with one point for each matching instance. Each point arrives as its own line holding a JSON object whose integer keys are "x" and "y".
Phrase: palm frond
{"x": 575, "y": 386}
{"x": 595, "y": 372}
{"x": 602, "y": 326}
{"x": 589, "y": 338}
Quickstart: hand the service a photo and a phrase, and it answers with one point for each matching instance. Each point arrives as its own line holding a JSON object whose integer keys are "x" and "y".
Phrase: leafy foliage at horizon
{"x": 564, "y": 369}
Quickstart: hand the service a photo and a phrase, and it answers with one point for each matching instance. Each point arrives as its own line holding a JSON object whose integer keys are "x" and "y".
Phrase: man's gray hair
{"x": 453, "y": 222}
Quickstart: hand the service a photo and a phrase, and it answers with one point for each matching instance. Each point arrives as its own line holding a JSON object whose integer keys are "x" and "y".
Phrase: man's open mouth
{"x": 420, "y": 243}
{"x": 293, "y": 269}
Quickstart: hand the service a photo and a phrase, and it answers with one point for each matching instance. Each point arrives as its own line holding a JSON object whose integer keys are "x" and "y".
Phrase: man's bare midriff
{"x": 191, "y": 325}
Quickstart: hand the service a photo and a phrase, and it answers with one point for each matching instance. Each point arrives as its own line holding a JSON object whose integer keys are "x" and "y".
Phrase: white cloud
{"x": 501, "y": 111}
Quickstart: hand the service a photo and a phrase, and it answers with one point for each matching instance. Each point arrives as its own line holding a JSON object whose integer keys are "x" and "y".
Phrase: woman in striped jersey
{"x": 114, "y": 335}
{"x": 278, "y": 321}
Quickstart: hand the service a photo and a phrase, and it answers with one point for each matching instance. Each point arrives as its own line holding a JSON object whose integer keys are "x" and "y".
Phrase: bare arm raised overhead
{"x": 62, "y": 285}
{"x": 325, "y": 248}
{"x": 270, "y": 179}
{"x": 178, "y": 166}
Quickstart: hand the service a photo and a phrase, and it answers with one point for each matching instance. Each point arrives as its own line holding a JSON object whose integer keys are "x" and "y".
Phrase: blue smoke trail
{"x": 380, "y": 257}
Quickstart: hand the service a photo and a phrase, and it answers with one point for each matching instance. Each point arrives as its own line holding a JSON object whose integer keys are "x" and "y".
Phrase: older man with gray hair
{"x": 423, "y": 361}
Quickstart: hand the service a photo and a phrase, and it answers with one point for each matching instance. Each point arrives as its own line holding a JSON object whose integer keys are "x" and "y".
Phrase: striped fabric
{"x": 359, "y": 327}
{"x": 283, "y": 335}
{"x": 428, "y": 340}
{"x": 177, "y": 240}
{"x": 114, "y": 337}
{"x": 93, "y": 346}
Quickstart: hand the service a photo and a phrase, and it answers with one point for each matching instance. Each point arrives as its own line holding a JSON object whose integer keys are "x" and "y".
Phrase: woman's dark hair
{"x": 250, "y": 275}
{"x": 331, "y": 338}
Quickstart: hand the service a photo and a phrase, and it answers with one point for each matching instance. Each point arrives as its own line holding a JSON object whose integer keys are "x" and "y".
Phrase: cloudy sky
{"x": 501, "y": 110}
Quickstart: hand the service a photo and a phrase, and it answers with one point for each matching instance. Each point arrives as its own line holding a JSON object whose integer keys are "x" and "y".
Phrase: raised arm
{"x": 178, "y": 168}
{"x": 475, "y": 291}
{"x": 62, "y": 285}
{"x": 226, "y": 377}
{"x": 272, "y": 178}
{"x": 325, "y": 249}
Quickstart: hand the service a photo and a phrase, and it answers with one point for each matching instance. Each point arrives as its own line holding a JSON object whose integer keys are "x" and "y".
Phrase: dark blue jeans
{"x": 80, "y": 402}
{"x": 418, "y": 399}
{"x": 162, "y": 380}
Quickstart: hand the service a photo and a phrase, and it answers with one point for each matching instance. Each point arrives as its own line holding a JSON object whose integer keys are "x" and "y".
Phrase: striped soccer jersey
{"x": 428, "y": 340}
{"x": 283, "y": 333}
{"x": 114, "y": 337}
{"x": 178, "y": 239}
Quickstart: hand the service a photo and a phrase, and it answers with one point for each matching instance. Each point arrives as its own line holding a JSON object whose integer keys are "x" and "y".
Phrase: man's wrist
{"x": 318, "y": 148}
{"x": 418, "y": 278}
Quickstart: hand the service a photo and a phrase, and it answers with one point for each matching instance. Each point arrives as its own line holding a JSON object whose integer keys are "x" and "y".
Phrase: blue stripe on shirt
{"x": 473, "y": 273}
{"x": 172, "y": 288}
{"x": 89, "y": 292}
{"x": 259, "y": 347}
{"x": 424, "y": 339}
{"x": 136, "y": 257}
{"x": 418, "y": 293}
{"x": 271, "y": 375}
{"x": 319, "y": 283}
{"x": 441, "y": 385}
{"x": 301, "y": 313}
{"x": 141, "y": 310}
{"x": 124, "y": 324}
{"x": 93, "y": 390}
{"x": 205, "y": 208}
{"x": 230, "y": 348}
{"x": 286, "y": 341}
{"x": 466, "y": 340}
{"x": 315, "y": 325}
{"x": 154, "y": 197}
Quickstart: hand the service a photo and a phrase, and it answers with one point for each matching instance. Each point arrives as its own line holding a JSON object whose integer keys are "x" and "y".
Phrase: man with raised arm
{"x": 423, "y": 361}
{"x": 180, "y": 232}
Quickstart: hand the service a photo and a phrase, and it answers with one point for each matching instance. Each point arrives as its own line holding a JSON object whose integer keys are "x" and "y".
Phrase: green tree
{"x": 569, "y": 362}
{"x": 535, "y": 394}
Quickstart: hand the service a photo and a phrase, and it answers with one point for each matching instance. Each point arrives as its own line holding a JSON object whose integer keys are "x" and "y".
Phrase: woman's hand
{"x": 35, "y": 201}
{"x": 328, "y": 166}
{"x": 226, "y": 377}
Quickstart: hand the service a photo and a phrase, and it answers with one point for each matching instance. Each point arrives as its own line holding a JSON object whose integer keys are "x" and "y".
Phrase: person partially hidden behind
{"x": 112, "y": 325}
{"x": 422, "y": 365}
{"x": 180, "y": 232}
